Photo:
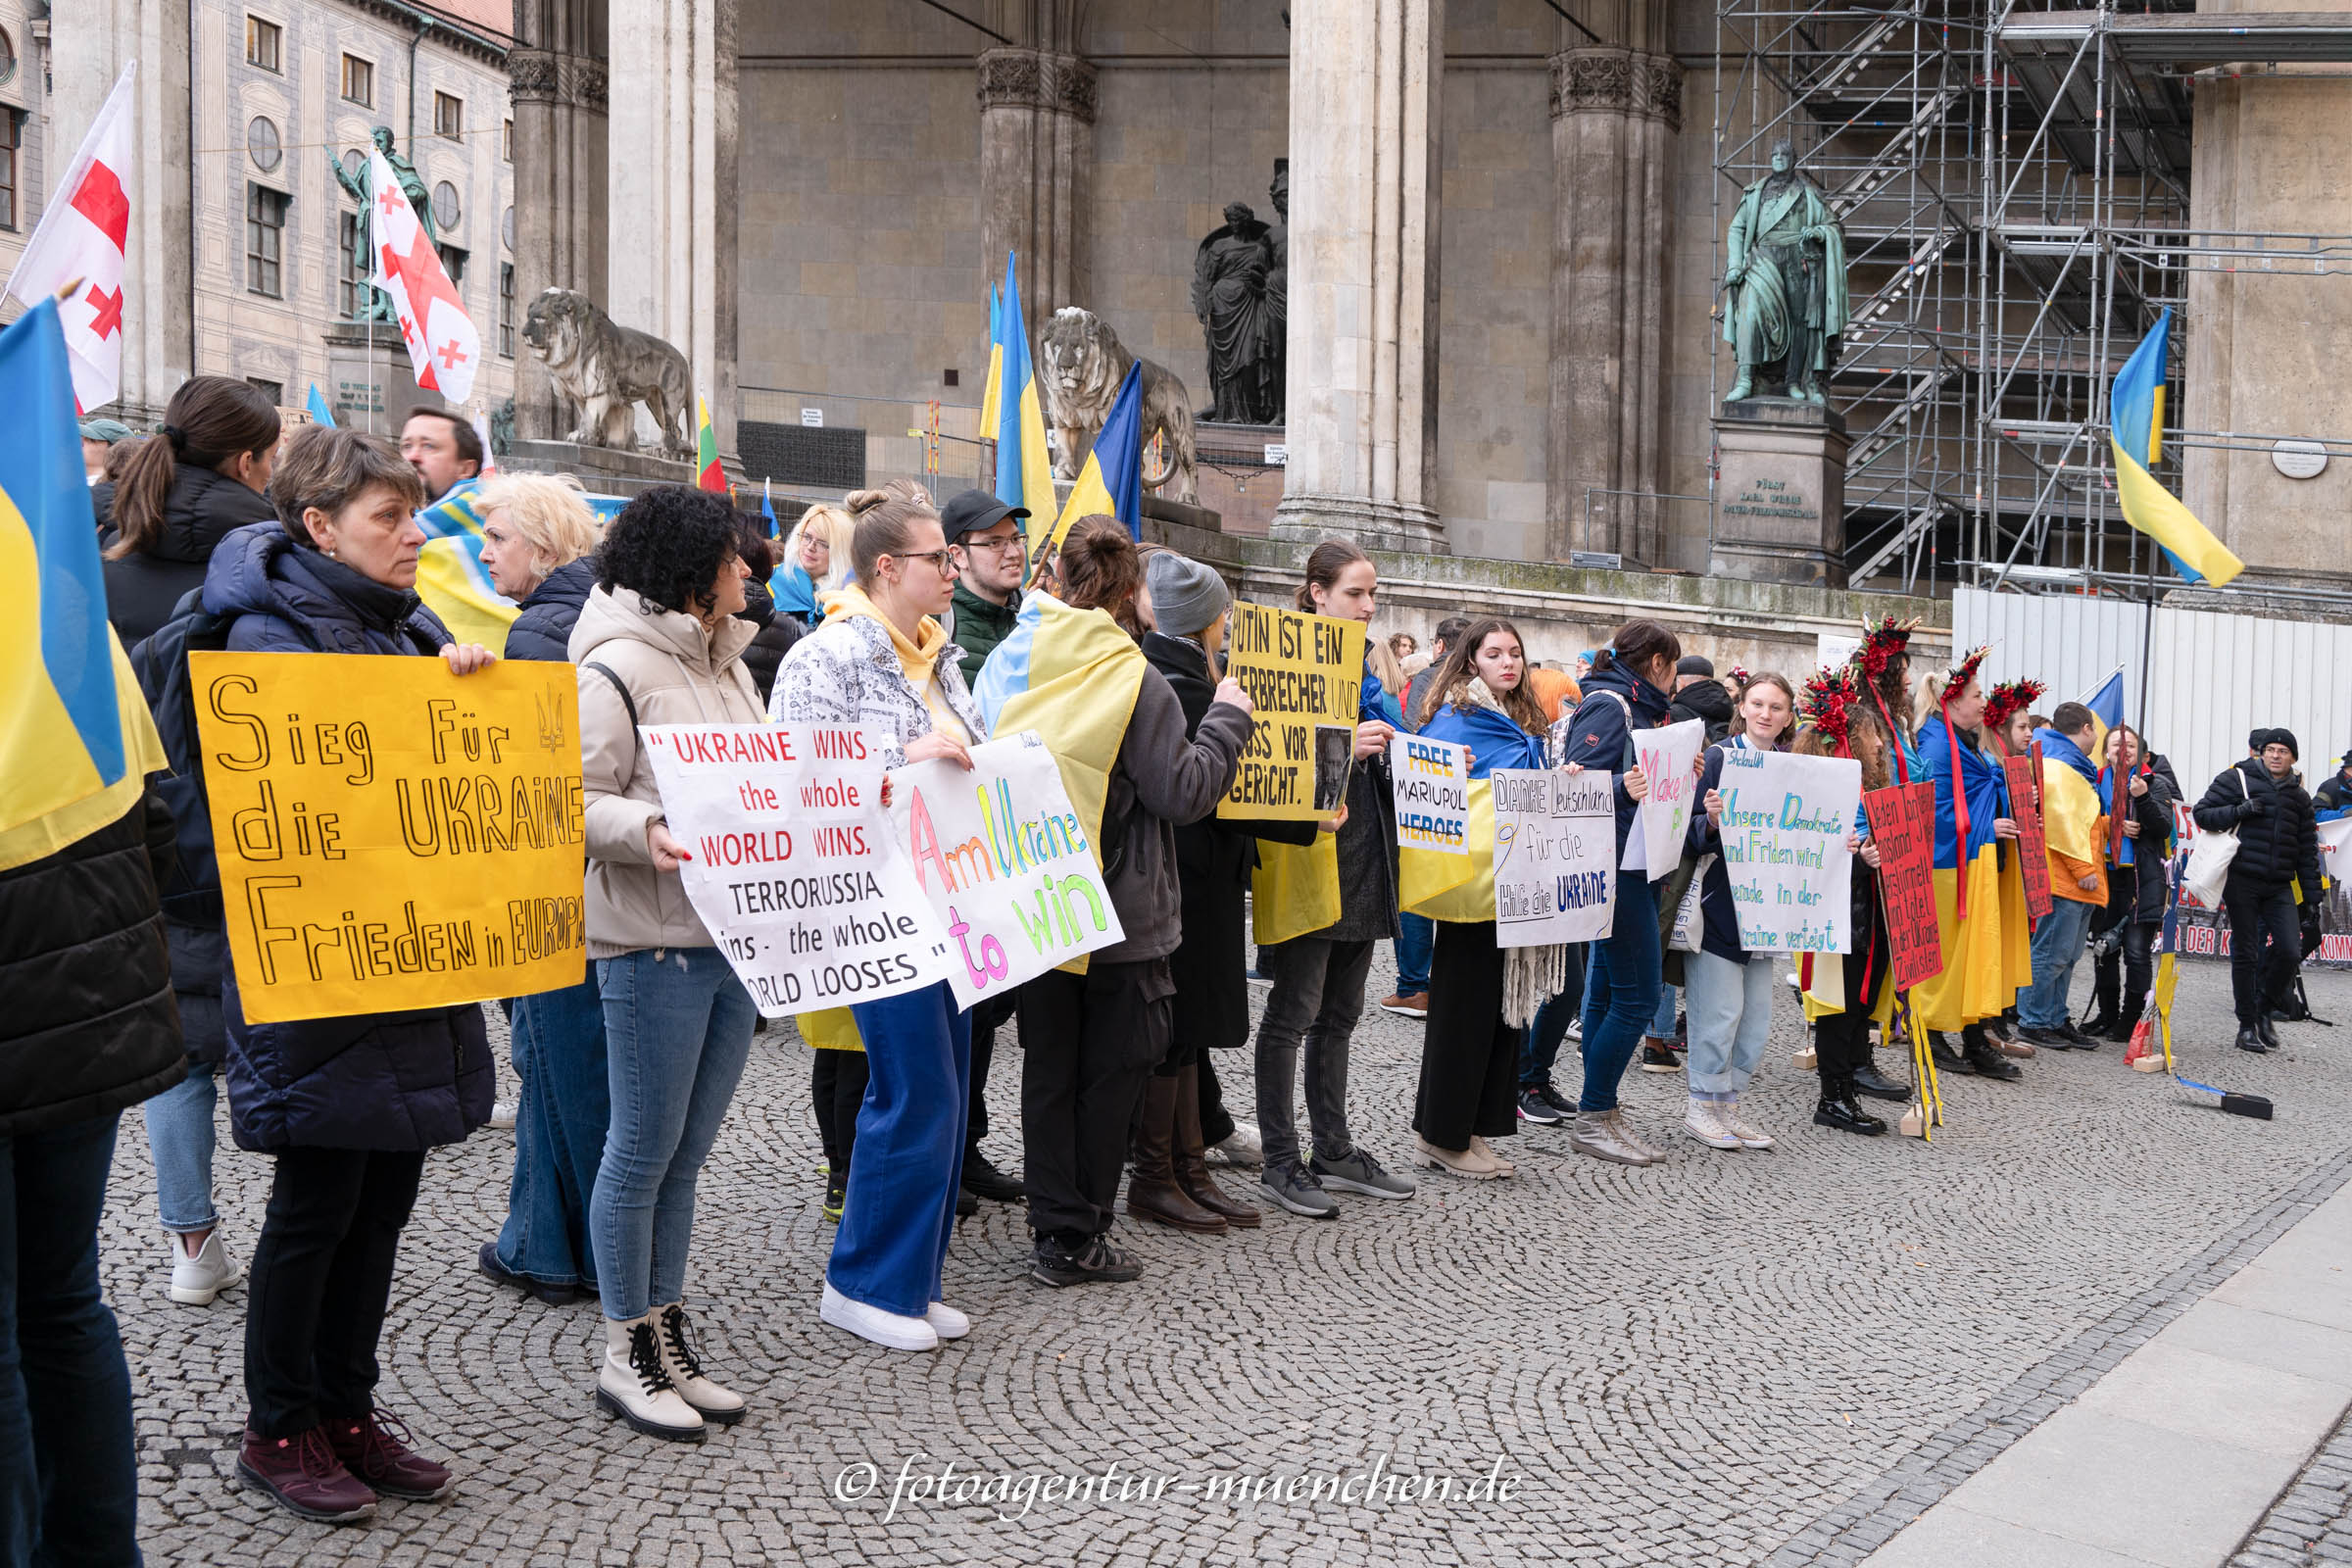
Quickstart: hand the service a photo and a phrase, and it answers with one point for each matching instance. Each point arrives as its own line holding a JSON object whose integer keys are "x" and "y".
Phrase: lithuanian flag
{"x": 706, "y": 471}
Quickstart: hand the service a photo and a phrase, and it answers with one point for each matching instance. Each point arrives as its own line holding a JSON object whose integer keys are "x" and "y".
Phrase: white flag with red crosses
{"x": 443, "y": 345}
{"x": 83, "y": 233}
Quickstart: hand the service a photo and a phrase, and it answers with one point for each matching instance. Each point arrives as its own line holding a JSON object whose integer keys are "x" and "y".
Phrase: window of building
{"x": 355, "y": 163}
{"x": 358, "y": 82}
{"x": 449, "y": 116}
{"x": 453, "y": 262}
{"x": 263, "y": 144}
{"x": 506, "y": 310}
{"x": 274, "y": 391}
{"x": 262, "y": 44}
{"x": 352, "y": 286}
{"x": 9, "y": 137}
{"x": 8, "y": 59}
{"x": 506, "y": 227}
{"x": 265, "y": 240}
{"x": 446, "y": 211}
{"x": 505, "y": 137}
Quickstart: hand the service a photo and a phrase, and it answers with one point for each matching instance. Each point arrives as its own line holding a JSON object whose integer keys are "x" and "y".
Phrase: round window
{"x": 355, "y": 163}
{"x": 261, "y": 143}
{"x": 507, "y": 227}
{"x": 445, "y": 206}
{"x": 8, "y": 56}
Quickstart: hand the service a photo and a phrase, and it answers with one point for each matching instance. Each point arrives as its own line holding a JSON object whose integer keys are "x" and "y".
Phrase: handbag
{"x": 1690, "y": 926}
{"x": 2209, "y": 856}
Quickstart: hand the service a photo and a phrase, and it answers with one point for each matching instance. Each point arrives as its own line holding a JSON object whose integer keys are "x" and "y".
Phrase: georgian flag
{"x": 83, "y": 233}
{"x": 443, "y": 346}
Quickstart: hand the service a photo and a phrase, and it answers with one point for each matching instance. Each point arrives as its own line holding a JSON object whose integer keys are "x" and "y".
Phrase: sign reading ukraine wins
{"x": 1303, "y": 675}
{"x": 392, "y": 836}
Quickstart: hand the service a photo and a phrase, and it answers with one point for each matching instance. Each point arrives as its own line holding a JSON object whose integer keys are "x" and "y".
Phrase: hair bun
{"x": 858, "y": 503}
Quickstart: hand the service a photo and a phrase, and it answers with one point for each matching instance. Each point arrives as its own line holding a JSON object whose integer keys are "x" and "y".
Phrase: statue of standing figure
{"x": 1278, "y": 293}
{"x": 355, "y": 184}
{"x": 1787, "y": 279}
{"x": 1229, "y": 273}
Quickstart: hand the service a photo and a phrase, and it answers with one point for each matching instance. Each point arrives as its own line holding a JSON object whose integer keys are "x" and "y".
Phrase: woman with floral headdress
{"x": 2009, "y": 714}
{"x": 1883, "y": 671}
{"x": 1847, "y": 993}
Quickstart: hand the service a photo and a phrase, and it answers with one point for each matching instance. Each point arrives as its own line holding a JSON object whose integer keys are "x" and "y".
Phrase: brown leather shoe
{"x": 375, "y": 1449}
{"x": 1190, "y": 1158}
{"x": 304, "y": 1476}
{"x": 1151, "y": 1192}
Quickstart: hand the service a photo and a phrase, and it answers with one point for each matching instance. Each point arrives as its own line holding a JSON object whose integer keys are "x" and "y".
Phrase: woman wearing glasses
{"x": 881, "y": 663}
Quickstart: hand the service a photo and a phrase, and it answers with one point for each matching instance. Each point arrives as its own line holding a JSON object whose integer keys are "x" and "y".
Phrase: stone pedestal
{"x": 1361, "y": 415}
{"x": 603, "y": 470}
{"x": 369, "y": 383}
{"x": 1780, "y": 505}
{"x": 1037, "y": 169}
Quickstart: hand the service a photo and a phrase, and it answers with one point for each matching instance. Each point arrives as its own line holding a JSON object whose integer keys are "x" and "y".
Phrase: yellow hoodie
{"x": 919, "y": 659}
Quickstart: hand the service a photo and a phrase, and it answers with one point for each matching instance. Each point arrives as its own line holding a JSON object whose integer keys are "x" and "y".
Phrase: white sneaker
{"x": 502, "y": 1113}
{"x": 946, "y": 1322}
{"x": 1244, "y": 1148}
{"x": 1750, "y": 1135}
{"x": 1704, "y": 1122}
{"x": 199, "y": 1276}
{"x": 682, "y": 1360}
{"x": 886, "y": 1329}
{"x": 633, "y": 1384}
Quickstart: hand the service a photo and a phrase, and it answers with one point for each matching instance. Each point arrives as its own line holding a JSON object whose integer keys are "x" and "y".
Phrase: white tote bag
{"x": 2209, "y": 856}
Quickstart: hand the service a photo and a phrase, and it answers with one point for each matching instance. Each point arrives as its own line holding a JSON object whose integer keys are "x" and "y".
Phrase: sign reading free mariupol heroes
{"x": 1783, "y": 826}
{"x": 1003, "y": 863}
{"x": 1431, "y": 780}
{"x": 795, "y": 873}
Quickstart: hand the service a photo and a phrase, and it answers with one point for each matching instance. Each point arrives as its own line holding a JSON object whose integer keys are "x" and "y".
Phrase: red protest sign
{"x": 1902, "y": 823}
{"x": 2032, "y": 846}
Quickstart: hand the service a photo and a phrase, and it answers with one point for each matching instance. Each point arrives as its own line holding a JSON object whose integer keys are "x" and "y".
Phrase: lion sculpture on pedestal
{"x": 1081, "y": 363}
{"x": 603, "y": 368}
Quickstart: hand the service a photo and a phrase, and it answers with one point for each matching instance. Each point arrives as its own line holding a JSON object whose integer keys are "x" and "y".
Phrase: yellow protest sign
{"x": 1304, "y": 674}
{"x": 390, "y": 835}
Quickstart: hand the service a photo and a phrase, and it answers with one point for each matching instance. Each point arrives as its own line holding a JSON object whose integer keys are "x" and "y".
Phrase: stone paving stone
{"x": 1729, "y": 1358}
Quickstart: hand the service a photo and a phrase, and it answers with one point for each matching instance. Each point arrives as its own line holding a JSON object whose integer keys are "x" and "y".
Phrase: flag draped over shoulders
{"x": 1461, "y": 888}
{"x": 1071, "y": 675}
{"x": 451, "y": 579}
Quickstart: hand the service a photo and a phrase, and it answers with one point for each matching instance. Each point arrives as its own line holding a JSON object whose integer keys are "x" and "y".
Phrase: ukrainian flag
{"x": 1024, "y": 468}
{"x": 2106, "y": 703}
{"x": 76, "y": 742}
{"x": 451, "y": 579}
{"x": 1112, "y": 480}
{"x": 993, "y": 386}
{"x": 2135, "y": 414}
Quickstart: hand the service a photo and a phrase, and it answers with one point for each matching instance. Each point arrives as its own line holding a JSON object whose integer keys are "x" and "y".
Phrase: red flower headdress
{"x": 1881, "y": 641}
{"x": 2010, "y": 699}
{"x": 1739, "y": 676}
{"x": 1962, "y": 673}
{"x": 1828, "y": 703}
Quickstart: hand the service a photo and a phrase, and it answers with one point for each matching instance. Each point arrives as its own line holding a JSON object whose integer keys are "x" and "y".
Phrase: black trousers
{"x": 1216, "y": 1122}
{"x": 1087, "y": 1043}
{"x": 1841, "y": 1040}
{"x": 986, "y": 1017}
{"x": 2257, "y": 976}
{"x": 836, "y": 1089}
{"x": 321, "y": 1280}
{"x": 1469, "y": 1056}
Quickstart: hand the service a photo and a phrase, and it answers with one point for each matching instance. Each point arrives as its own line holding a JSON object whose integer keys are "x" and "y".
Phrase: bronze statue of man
{"x": 379, "y": 306}
{"x": 1229, "y": 296}
{"x": 1787, "y": 279}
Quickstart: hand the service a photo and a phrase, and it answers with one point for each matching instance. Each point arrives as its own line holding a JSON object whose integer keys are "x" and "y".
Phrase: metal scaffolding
{"x": 2015, "y": 187}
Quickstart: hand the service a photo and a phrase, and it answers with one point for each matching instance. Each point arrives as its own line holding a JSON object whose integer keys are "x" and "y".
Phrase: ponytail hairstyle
{"x": 208, "y": 421}
{"x": 1451, "y": 686}
{"x": 1324, "y": 563}
{"x": 885, "y": 524}
{"x": 1636, "y": 646}
{"x": 1101, "y": 570}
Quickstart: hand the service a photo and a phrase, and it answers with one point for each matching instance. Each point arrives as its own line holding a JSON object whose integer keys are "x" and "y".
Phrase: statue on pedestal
{"x": 1230, "y": 274}
{"x": 1787, "y": 281}
{"x": 354, "y": 184}
{"x": 1278, "y": 292}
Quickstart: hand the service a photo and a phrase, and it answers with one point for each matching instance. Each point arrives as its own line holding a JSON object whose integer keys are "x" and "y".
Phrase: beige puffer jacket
{"x": 676, "y": 673}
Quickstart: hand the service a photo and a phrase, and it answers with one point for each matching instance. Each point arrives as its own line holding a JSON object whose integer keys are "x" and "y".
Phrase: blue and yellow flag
{"x": 2106, "y": 703}
{"x": 2135, "y": 414}
{"x": 76, "y": 742}
{"x": 1024, "y": 468}
{"x": 992, "y": 387}
{"x": 1112, "y": 480}
{"x": 451, "y": 579}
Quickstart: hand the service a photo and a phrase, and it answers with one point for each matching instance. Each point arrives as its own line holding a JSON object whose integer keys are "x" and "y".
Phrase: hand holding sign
{"x": 1430, "y": 781}
{"x": 1786, "y": 823}
{"x": 1556, "y": 832}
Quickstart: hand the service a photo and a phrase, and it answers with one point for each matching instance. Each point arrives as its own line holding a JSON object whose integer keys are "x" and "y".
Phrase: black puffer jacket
{"x": 542, "y": 630}
{"x": 2277, "y": 837}
{"x": 202, "y": 508}
{"x": 90, "y": 1026}
{"x": 778, "y": 631}
{"x": 1707, "y": 701}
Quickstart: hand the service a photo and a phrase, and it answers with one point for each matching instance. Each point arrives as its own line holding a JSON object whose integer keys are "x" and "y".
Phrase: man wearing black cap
{"x": 2336, "y": 793}
{"x": 985, "y": 534}
{"x": 1699, "y": 695}
{"x": 2278, "y": 849}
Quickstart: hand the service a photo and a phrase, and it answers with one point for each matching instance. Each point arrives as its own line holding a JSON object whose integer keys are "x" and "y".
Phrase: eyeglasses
{"x": 1009, "y": 544}
{"x": 942, "y": 562}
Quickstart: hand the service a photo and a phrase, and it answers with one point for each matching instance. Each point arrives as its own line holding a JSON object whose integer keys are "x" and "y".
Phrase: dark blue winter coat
{"x": 1596, "y": 733}
{"x": 387, "y": 1080}
{"x": 543, "y": 630}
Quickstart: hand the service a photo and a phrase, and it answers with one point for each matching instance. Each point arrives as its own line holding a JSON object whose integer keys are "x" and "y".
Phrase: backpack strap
{"x": 618, "y": 685}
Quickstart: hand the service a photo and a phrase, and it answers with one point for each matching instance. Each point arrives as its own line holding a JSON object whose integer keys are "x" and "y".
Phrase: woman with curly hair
{"x": 659, "y": 642}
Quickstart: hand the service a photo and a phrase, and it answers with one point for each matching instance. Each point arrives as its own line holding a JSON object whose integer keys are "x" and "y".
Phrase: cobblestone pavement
{"x": 2311, "y": 1524}
{"x": 1724, "y": 1359}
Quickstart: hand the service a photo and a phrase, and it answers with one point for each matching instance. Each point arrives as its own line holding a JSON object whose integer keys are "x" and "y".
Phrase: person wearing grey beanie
{"x": 1186, "y": 597}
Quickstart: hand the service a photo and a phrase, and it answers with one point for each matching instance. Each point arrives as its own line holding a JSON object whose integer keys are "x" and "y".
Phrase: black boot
{"x": 2250, "y": 1038}
{"x": 2127, "y": 1021}
{"x": 2268, "y": 1031}
{"x": 1868, "y": 1080}
{"x": 1986, "y": 1057}
{"x": 1948, "y": 1061}
{"x": 1839, "y": 1110}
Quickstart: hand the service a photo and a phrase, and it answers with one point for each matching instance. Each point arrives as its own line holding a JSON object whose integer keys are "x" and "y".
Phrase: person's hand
{"x": 1372, "y": 738}
{"x": 2258, "y": 807}
{"x": 667, "y": 851}
{"x": 1698, "y": 766}
{"x": 2087, "y": 883}
{"x": 2003, "y": 828}
{"x": 1572, "y": 768}
{"x": 2132, "y": 829}
{"x": 1637, "y": 784}
{"x": 463, "y": 658}
{"x": 1853, "y": 844}
{"x": 1714, "y": 806}
{"x": 1334, "y": 822}
{"x": 1735, "y": 274}
{"x": 939, "y": 747}
{"x": 1870, "y": 854}
{"x": 1233, "y": 694}
{"x": 2140, "y": 786}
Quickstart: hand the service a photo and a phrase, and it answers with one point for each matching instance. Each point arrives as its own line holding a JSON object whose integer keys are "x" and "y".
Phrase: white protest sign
{"x": 1004, "y": 864}
{"x": 1785, "y": 822}
{"x": 793, "y": 873}
{"x": 2334, "y": 836}
{"x": 1554, "y": 833}
{"x": 1431, "y": 780}
{"x": 1666, "y": 757}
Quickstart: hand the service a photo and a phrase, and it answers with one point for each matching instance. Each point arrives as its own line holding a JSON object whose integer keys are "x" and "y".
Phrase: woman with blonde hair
{"x": 536, "y": 535}
{"x": 818, "y": 557}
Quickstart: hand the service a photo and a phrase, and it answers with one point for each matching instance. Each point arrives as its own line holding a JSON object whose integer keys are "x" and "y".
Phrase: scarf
{"x": 1531, "y": 976}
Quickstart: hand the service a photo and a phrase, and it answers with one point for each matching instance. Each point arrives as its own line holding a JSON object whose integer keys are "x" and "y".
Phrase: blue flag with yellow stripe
{"x": 451, "y": 579}
{"x": 2135, "y": 416}
{"x": 1112, "y": 480}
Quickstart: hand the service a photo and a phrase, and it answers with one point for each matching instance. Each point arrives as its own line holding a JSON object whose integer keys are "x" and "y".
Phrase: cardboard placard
{"x": 1902, "y": 824}
{"x": 1666, "y": 757}
{"x": 1003, "y": 863}
{"x": 1305, "y": 675}
{"x": 1784, "y": 823}
{"x": 392, "y": 836}
{"x": 1555, "y": 833}
{"x": 2032, "y": 845}
{"x": 1431, "y": 781}
{"x": 795, "y": 874}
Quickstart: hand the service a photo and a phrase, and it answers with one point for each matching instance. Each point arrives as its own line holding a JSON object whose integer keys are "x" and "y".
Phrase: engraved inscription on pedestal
{"x": 1781, "y": 497}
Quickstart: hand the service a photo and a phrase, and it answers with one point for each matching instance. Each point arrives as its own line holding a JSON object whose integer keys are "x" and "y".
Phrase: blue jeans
{"x": 677, "y": 1031}
{"x": 180, "y": 1137}
{"x": 2057, "y": 946}
{"x": 559, "y": 1128}
{"x": 900, "y": 1207}
{"x": 1731, "y": 1014}
{"x": 1621, "y": 991}
{"x": 1543, "y": 1037}
{"x": 1416, "y": 940}
{"x": 69, "y": 1476}
{"x": 1661, "y": 1024}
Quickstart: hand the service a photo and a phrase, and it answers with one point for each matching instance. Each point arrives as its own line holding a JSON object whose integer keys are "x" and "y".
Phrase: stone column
{"x": 1362, "y": 375}
{"x": 1037, "y": 163}
{"x": 671, "y": 161}
{"x": 1614, "y": 116}
{"x": 559, "y": 84}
